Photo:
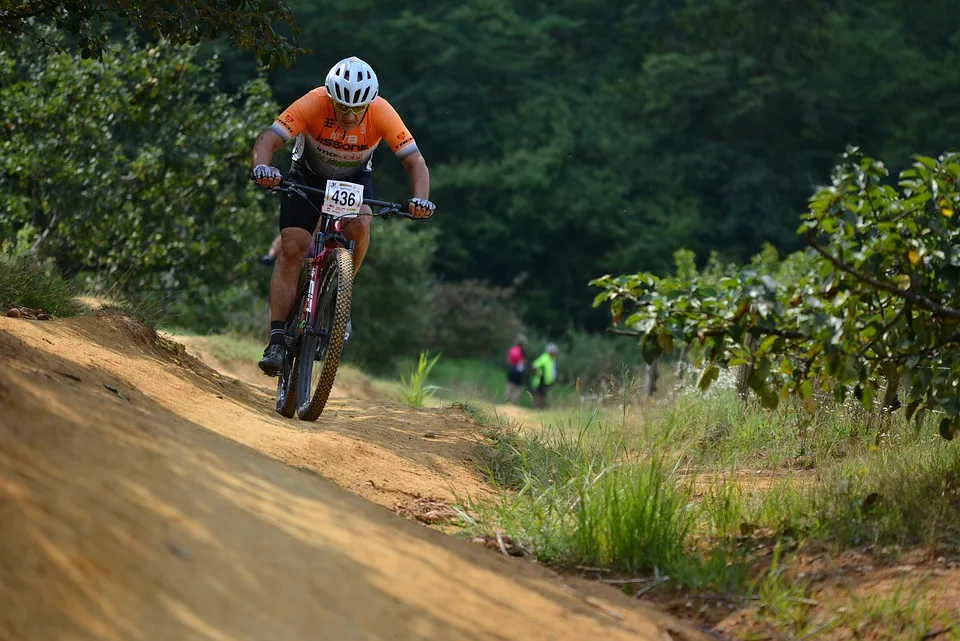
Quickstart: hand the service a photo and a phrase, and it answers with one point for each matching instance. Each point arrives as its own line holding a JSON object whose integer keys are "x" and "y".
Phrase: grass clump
{"x": 26, "y": 281}
{"x": 581, "y": 497}
{"x": 630, "y": 517}
{"x": 414, "y": 387}
{"x": 903, "y": 614}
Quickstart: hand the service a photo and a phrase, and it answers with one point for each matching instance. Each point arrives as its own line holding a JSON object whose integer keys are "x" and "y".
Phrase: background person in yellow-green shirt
{"x": 544, "y": 374}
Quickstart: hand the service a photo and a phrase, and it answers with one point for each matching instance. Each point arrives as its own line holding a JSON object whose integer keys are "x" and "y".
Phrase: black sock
{"x": 276, "y": 333}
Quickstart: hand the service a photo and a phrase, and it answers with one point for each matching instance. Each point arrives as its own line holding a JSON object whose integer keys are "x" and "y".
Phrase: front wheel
{"x": 287, "y": 382}
{"x": 322, "y": 344}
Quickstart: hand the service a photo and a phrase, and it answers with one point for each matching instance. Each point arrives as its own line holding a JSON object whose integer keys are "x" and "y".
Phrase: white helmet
{"x": 352, "y": 82}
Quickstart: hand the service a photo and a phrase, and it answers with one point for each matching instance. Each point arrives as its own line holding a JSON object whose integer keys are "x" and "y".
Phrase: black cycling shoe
{"x": 272, "y": 359}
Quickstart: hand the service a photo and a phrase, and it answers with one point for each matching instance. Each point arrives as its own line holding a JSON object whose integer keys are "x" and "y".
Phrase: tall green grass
{"x": 584, "y": 498}
{"x": 676, "y": 486}
{"x": 27, "y": 281}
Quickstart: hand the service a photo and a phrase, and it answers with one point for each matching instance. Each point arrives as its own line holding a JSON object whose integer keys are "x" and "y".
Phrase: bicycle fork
{"x": 309, "y": 303}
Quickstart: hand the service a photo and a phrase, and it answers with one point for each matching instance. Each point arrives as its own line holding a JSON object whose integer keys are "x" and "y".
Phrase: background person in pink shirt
{"x": 516, "y": 369}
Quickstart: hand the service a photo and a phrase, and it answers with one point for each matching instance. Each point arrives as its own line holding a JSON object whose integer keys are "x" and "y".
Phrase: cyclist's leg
{"x": 540, "y": 397}
{"x": 283, "y": 284}
{"x": 298, "y": 220}
{"x": 358, "y": 230}
{"x": 283, "y": 290}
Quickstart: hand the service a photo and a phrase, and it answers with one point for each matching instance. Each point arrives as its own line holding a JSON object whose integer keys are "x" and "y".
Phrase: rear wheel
{"x": 286, "y": 402}
{"x": 321, "y": 345}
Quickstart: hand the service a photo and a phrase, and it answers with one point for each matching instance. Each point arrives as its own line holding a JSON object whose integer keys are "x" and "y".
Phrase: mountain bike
{"x": 315, "y": 327}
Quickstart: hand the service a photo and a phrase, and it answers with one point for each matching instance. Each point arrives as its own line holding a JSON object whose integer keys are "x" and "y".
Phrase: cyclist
{"x": 336, "y": 129}
{"x": 544, "y": 374}
{"x": 516, "y": 374}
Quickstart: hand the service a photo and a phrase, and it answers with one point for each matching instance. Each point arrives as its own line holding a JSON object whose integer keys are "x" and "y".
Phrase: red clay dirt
{"x": 136, "y": 503}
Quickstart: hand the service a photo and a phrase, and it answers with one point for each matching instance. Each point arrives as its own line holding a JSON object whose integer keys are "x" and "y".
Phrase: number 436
{"x": 344, "y": 198}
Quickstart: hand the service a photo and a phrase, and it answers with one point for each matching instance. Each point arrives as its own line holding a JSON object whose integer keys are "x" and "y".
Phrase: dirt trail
{"x": 351, "y": 383}
{"x": 136, "y": 503}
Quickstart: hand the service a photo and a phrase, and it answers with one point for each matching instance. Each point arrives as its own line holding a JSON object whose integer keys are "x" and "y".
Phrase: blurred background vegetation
{"x": 565, "y": 141}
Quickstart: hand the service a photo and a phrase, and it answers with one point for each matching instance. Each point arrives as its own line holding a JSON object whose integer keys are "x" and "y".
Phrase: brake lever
{"x": 298, "y": 192}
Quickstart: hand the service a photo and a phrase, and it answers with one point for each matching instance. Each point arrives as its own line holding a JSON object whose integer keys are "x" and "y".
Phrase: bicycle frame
{"x": 330, "y": 233}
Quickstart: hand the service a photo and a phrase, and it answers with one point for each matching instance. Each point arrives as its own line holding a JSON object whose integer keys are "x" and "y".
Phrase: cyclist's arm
{"x": 267, "y": 145}
{"x": 291, "y": 122}
{"x": 416, "y": 166}
{"x": 401, "y": 142}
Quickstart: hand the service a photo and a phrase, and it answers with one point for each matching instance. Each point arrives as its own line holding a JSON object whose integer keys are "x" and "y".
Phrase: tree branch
{"x": 770, "y": 331}
{"x": 886, "y": 328}
{"x": 917, "y": 299}
{"x": 782, "y": 333}
{"x": 952, "y": 338}
{"x": 20, "y": 17}
{"x": 622, "y": 332}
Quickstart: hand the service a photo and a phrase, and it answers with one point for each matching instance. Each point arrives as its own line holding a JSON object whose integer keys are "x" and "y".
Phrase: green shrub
{"x": 239, "y": 308}
{"x": 179, "y": 210}
{"x": 471, "y": 319}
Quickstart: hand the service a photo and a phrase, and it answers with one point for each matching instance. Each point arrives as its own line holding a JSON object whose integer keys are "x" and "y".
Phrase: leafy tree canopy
{"x": 576, "y": 138}
{"x": 133, "y": 167}
{"x": 249, "y": 24}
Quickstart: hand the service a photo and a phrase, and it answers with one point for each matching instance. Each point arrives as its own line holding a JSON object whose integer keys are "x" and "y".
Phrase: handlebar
{"x": 386, "y": 208}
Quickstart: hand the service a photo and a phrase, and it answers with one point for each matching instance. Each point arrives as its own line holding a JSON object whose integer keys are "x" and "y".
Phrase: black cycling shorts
{"x": 296, "y": 212}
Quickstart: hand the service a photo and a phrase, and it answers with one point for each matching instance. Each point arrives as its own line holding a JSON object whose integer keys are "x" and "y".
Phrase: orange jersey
{"x": 326, "y": 149}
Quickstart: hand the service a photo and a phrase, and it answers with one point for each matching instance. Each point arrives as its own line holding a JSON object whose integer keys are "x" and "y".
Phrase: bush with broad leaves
{"x": 875, "y": 295}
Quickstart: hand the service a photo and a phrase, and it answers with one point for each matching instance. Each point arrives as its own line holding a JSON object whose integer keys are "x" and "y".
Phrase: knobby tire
{"x": 333, "y": 312}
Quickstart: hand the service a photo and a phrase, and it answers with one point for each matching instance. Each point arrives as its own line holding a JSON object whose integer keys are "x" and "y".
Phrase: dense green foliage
{"x": 565, "y": 140}
{"x": 247, "y": 25}
{"x": 875, "y": 296}
{"x": 391, "y": 294}
{"x": 469, "y": 318}
{"x": 131, "y": 168}
{"x": 571, "y": 139}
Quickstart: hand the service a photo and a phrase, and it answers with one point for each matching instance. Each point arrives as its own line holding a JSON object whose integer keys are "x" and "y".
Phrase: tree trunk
{"x": 890, "y": 399}
{"x": 653, "y": 374}
{"x": 890, "y": 402}
{"x": 744, "y": 371}
{"x": 680, "y": 371}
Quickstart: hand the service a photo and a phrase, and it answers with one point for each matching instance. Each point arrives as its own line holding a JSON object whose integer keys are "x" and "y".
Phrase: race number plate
{"x": 342, "y": 198}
